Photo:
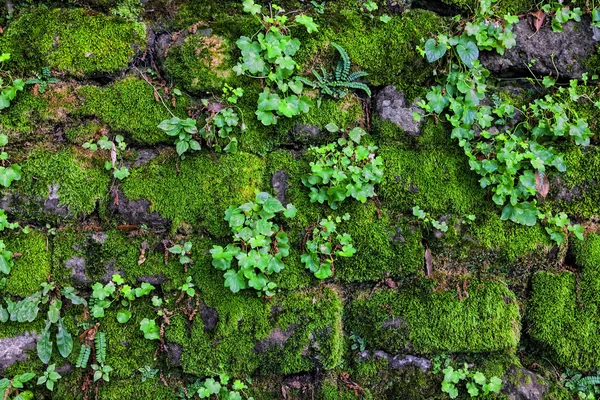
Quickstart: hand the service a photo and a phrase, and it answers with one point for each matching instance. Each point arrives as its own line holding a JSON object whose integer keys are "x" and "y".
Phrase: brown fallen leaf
{"x": 538, "y": 19}
{"x": 113, "y": 155}
{"x": 541, "y": 183}
{"x": 428, "y": 262}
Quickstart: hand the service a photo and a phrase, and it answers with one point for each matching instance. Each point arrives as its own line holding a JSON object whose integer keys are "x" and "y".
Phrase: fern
{"x": 338, "y": 83}
{"x": 100, "y": 347}
{"x": 589, "y": 381}
{"x": 84, "y": 356}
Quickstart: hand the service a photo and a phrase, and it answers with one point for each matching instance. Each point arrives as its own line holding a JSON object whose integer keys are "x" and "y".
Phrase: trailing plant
{"x": 184, "y": 130}
{"x": 103, "y": 296}
{"x": 338, "y": 83}
{"x": 27, "y": 310}
{"x": 324, "y": 244}
{"x": 428, "y": 219}
{"x": 116, "y": 149}
{"x": 6, "y": 256}
{"x": 512, "y": 158}
{"x": 9, "y": 172}
{"x": 319, "y": 7}
{"x": 8, "y": 85}
{"x": 42, "y": 79}
{"x": 221, "y": 387}
{"x": 183, "y": 251}
{"x": 343, "y": 169}
{"x": 358, "y": 343}
{"x": 586, "y": 387}
{"x": 268, "y": 56}
{"x": 259, "y": 245}
{"x": 13, "y": 388}
{"x": 50, "y": 377}
{"x": 476, "y": 382}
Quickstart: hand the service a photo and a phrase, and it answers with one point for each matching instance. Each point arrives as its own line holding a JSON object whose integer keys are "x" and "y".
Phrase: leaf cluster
{"x": 42, "y": 79}
{"x": 475, "y": 382}
{"x": 116, "y": 150}
{"x": 259, "y": 245}
{"x": 217, "y": 388}
{"x": 9, "y": 173}
{"x": 8, "y": 85}
{"x": 50, "y": 377}
{"x": 103, "y": 296}
{"x": 343, "y": 169}
{"x": 586, "y": 387}
{"x": 17, "y": 383}
{"x": 428, "y": 219}
{"x": 324, "y": 245}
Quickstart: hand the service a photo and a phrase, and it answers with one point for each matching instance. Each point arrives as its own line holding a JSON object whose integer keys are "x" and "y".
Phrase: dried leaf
{"x": 541, "y": 183}
{"x": 428, "y": 262}
{"x": 538, "y": 19}
{"x": 113, "y": 155}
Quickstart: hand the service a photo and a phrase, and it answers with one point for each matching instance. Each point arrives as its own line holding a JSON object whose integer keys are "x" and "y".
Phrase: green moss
{"x": 75, "y": 41}
{"x": 425, "y": 322}
{"x": 20, "y": 118}
{"x": 499, "y": 8}
{"x": 564, "y": 317}
{"x": 128, "y": 107}
{"x": 587, "y": 252}
{"x": 199, "y": 189}
{"x": 305, "y": 329}
{"x": 30, "y": 269}
{"x": 508, "y": 240}
{"x": 436, "y": 179}
{"x": 386, "y": 51}
{"x": 576, "y": 191}
{"x": 79, "y": 186}
{"x": 201, "y": 63}
{"x": 80, "y": 134}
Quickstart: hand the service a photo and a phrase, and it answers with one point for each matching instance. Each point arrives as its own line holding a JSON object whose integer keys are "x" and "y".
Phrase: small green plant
{"x": 184, "y": 254}
{"x": 150, "y": 329}
{"x": 324, "y": 244}
{"x": 188, "y": 287}
{"x": 475, "y": 382}
{"x": 184, "y": 130}
{"x": 318, "y": 7}
{"x": 561, "y": 14}
{"x": 116, "y": 150}
{"x": 221, "y": 387}
{"x": 358, "y": 343}
{"x": 427, "y": 219}
{"x": 101, "y": 371}
{"x": 340, "y": 81}
{"x": 6, "y": 256}
{"x": 84, "y": 356}
{"x": 16, "y": 384}
{"x": 103, "y": 297}
{"x": 9, "y": 173}
{"x": 440, "y": 362}
{"x": 148, "y": 373}
{"x": 50, "y": 377}
{"x": 42, "y": 79}
{"x": 343, "y": 169}
{"x": 8, "y": 85}
{"x": 259, "y": 245}
{"x": 268, "y": 56}
{"x": 586, "y": 387}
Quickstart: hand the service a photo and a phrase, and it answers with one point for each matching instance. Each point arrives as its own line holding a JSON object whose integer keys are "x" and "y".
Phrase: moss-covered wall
{"x": 487, "y": 292}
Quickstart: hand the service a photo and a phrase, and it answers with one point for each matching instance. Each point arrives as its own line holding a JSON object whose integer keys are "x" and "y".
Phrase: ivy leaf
{"x": 434, "y": 51}
{"x": 467, "y": 51}
{"x": 308, "y": 23}
{"x": 250, "y": 7}
{"x": 123, "y": 316}
{"x": 290, "y": 211}
{"x": 234, "y": 281}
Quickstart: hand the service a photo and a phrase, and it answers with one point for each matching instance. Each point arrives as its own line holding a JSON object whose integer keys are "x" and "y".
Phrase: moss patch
{"x": 587, "y": 252}
{"x": 75, "y": 41}
{"x": 564, "y": 317}
{"x": 129, "y": 107}
{"x": 30, "y": 269}
{"x": 425, "y": 322}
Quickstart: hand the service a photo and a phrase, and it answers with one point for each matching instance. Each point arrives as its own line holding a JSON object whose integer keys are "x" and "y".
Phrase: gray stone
{"x": 522, "y": 384}
{"x": 279, "y": 181}
{"x": 174, "y": 352}
{"x": 399, "y": 361}
{"x": 277, "y": 338}
{"x": 13, "y": 349}
{"x": 564, "y": 52}
{"x": 144, "y": 156}
{"x": 306, "y": 134}
{"x": 391, "y": 106}
{"x": 77, "y": 266}
{"x": 52, "y": 203}
{"x": 152, "y": 279}
{"x": 209, "y": 316}
{"x": 135, "y": 212}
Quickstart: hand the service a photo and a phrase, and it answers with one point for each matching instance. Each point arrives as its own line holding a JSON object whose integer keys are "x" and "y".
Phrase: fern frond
{"x": 345, "y": 59}
{"x": 83, "y": 357}
{"x": 319, "y": 77}
{"x": 355, "y": 75}
{"x": 355, "y": 85}
{"x": 306, "y": 81}
{"x": 589, "y": 381}
{"x": 339, "y": 70}
{"x": 100, "y": 340}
